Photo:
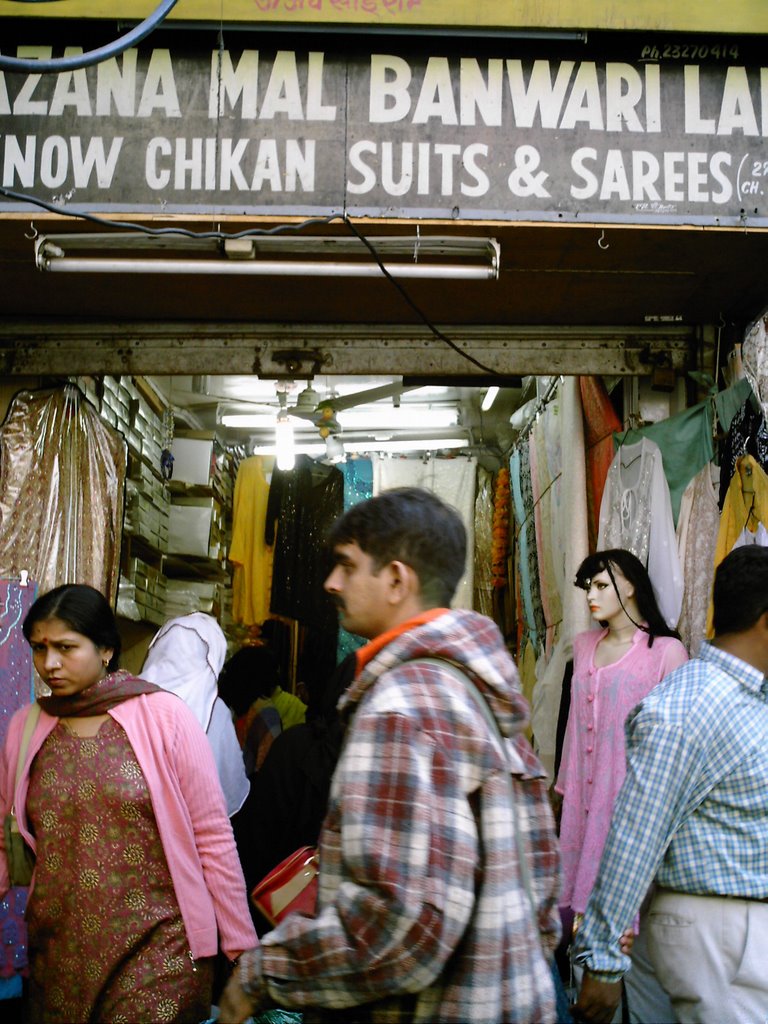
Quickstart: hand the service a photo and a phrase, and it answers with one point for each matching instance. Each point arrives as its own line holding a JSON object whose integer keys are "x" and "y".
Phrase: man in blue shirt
{"x": 692, "y": 816}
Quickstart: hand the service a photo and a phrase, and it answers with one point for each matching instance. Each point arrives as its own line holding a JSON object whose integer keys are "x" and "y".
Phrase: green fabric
{"x": 686, "y": 446}
{"x": 729, "y": 401}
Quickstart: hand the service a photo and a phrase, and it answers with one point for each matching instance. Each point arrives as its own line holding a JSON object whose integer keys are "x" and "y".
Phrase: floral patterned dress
{"x": 106, "y": 937}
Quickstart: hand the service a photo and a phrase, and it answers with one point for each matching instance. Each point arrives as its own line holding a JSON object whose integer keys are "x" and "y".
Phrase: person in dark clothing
{"x": 289, "y": 794}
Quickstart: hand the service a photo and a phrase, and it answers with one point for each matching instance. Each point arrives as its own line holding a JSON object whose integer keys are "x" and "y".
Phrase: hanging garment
{"x": 546, "y": 464}
{"x": 754, "y": 356}
{"x": 248, "y": 552}
{"x": 697, "y": 530}
{"x": 483, "y": 600}
{"x": 600, "y": 422}
{"x": 16, "y": 690}
{"x": 453, "y": 480}
{"x": 748, "y": 435}
{"x": 61, "y": 492}
{"x": 743, "y": 510}
{"x": 570, "y": 548}
{"x": 303, "y": 503}
{"x": 636, "y": 514}
{"x": 686, "y": 445}
{"x": 523, "y": 527}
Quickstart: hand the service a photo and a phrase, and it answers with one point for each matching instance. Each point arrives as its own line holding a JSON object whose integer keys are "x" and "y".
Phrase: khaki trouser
{"x": 711, "y": 955}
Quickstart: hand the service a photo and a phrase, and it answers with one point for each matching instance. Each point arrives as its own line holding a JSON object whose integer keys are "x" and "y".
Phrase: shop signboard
{"x": 633, "y": 131}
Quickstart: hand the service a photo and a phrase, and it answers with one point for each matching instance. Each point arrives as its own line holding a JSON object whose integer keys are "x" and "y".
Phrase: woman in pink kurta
{"x": 137, "y": 882}
{"x": 613, "y": 669}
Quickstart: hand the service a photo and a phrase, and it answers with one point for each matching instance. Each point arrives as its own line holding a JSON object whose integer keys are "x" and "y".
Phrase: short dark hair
{"x": 85, "y": 610}
{"x": 250, "y": 673}
{"x": 633, "y": 570}
{"x": 410, "y": 525}
{"x": 740, "y": 592}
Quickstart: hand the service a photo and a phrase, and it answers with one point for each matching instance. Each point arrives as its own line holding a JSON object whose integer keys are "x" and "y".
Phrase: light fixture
{"x": 285, "y": 449}
{"x": 402, "y": 445}
{"x": 448, "y": 257}
{"x": 489, "y": 398}
{"x": 382, "y": 418}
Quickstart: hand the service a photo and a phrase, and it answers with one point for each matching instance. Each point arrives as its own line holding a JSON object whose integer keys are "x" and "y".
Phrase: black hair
{"x": 410, "y": 525}
{"x": 250, "y": 673}
{"x": 633, "y": 570}
{"x": 85, "y": 610}
{"x": 740, "y": 592}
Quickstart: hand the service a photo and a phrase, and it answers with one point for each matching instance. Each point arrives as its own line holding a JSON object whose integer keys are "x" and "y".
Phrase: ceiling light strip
{"x": 265, "y": 268}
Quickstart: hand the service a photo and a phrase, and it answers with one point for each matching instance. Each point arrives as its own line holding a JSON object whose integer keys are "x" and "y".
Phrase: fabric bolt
{"x": 593, "y": 763}
{"x": 249, "y": 554}
{"x": 186, "y": 657}
{"x": 636, "y": 514}
{"x": 697, "y": 529}
{"x": 418, "y": 791}
{"x": 686, "y": 445}
{"x": 61, "y": 492}
{"x": 103, "y": 916}
{"x": 600, "y": 423}
{"x": 747, "y": 435}
{"x": 176, "y": 761}
{"x": 742, "y": 510}
{"x": 453, "y": 480}
{"x": 709, "y": 953}
{"x": 697, "y": 778}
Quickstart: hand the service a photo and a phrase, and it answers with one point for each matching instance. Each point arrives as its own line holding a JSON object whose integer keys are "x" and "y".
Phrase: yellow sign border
{"x": 747, "y": 17}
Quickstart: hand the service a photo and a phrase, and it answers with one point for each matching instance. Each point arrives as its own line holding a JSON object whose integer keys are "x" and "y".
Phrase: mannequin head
{"x": 618, "y": 585}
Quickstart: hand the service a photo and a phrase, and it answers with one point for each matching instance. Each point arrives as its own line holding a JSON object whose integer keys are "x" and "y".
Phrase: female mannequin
{"x": 613, "y": 669}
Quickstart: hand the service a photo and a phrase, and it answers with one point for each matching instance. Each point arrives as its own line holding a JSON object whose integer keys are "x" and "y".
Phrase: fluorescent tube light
{"x": 385, "y": 418}
{"x": 452, "y": 257}
{"x": 285, "y": 449}
{"x": 489, "y": 398}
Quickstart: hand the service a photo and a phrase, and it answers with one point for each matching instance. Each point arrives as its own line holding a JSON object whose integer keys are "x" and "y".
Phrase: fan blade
{"x": 372, "y": 395}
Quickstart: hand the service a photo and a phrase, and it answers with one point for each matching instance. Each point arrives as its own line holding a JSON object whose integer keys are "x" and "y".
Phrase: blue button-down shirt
{"x": 693, "y": 810}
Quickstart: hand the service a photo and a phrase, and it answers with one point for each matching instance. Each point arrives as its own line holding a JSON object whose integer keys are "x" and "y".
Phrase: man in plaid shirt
{"x": 693, "y": 815}
{"x": 439, "y": 868}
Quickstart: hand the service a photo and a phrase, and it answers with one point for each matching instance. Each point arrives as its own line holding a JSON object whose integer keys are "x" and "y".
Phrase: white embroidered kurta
{"x": 636, "y": 514}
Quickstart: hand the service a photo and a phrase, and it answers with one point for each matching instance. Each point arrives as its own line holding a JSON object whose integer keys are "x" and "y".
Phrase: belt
{"x": 714, "y": 895}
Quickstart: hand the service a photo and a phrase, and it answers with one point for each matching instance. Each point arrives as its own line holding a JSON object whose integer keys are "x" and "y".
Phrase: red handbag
{"x": 289, "y": 888}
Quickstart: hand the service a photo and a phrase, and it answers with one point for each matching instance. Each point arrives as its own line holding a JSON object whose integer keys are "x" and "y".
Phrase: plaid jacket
{"x": 423, "y": 912}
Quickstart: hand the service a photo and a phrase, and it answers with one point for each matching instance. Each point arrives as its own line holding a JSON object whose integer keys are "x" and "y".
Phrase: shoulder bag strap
{"x": 496, "y": 735}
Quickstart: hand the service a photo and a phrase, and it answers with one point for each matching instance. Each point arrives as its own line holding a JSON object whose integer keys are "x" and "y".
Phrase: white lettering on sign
{"x": 232, "y": 85}
{"x": 243, "y": 165}
{"x": 418, "y": 168}
{"x": 56, "y": 159}
{"x": 642, "y": 176}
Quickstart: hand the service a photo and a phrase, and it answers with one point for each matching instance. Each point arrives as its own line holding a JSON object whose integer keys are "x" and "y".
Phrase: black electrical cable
{"x": 435, "y": 330}
{"x": 85, "y": 60}
{"x": 252, "y": 232}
